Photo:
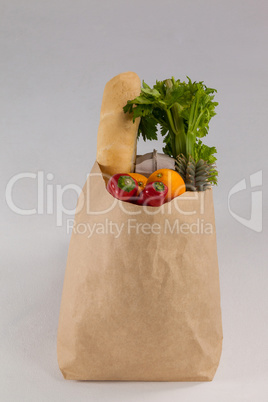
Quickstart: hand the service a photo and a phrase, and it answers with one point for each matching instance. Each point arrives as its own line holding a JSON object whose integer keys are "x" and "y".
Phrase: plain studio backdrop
{"x": 56, "y": 57}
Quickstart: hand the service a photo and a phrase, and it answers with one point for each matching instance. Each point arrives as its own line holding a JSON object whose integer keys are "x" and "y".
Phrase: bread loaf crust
{"x": 117, "y": 134}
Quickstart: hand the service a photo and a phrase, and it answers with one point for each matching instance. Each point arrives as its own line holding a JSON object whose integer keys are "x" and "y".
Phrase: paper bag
{"x": 141, "y": 298}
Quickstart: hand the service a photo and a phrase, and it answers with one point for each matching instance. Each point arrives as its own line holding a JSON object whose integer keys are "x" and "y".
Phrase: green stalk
{"x": 171, "y": 132}
{"x": 198, "y": 120}
{"x": 177, "y": 125}
{"x": 193, "y": 124}
{"x": 190, "y": 143}
{"x": 171, "y": 122}
{"x": 180, "y": 139}
{"x": 177, "y": 130}
{"x": 191, "y": 117}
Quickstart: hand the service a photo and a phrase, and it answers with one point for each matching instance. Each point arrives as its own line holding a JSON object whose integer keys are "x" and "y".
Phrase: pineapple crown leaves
{"x": 198, "y": 176}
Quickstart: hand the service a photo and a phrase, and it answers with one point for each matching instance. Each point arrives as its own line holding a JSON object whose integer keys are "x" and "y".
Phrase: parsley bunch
{"x": 183, "y": 110}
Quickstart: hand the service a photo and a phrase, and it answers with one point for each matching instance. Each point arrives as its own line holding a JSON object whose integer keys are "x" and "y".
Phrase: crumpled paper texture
{"x": 142, "y": 305}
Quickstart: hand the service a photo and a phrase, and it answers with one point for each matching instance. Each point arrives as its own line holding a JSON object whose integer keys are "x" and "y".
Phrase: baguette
{"x": 117, "y": 134}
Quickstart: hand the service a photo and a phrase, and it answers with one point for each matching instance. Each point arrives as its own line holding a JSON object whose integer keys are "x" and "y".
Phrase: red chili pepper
{"x": 153, "y": 194}
{"x": 122, "y": 186}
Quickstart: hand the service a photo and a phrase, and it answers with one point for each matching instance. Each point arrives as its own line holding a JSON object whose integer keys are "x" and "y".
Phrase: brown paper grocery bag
{"x": 141, "y": 297}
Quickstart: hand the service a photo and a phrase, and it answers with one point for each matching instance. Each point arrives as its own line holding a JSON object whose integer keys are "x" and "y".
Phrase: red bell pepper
{"x": 122, "y": 186}
{"x": 153, "y": 194}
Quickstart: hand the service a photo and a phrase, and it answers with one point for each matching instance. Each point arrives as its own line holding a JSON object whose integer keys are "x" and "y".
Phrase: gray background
{"x": 56, "y": 57}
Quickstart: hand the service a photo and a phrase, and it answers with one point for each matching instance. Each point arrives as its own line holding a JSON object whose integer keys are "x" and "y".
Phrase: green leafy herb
{"x": 183, "y": 110}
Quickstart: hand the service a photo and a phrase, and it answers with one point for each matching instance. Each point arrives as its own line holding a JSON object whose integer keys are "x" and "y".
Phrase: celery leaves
{"x": 182, "y": 109}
